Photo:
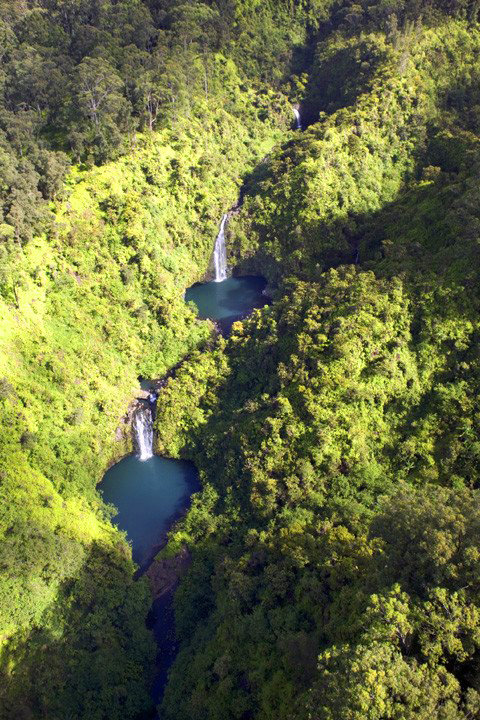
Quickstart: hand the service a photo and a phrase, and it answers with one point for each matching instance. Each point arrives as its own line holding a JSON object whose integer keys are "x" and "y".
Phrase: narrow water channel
{"x": 150, "y": 492}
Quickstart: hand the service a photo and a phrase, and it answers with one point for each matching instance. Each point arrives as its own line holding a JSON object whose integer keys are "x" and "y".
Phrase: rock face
{"x": 164, "y": 573}
{"x": 123, "y": 433}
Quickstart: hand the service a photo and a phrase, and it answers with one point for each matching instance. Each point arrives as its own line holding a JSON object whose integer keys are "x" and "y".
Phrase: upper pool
{"x": 228, "y": 301}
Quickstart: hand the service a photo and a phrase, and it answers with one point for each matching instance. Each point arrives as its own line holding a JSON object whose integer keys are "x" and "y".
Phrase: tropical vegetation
{"x": 334, "y": 545}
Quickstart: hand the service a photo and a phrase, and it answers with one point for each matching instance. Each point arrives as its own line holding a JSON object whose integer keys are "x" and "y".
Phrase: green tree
{"x": 99, "y": 97}
{"x": 374, "y": 682}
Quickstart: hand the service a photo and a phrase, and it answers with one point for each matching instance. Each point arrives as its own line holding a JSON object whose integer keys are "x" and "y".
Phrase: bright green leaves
{"x": 450, "y": 626}
{"x": 372, "y": 681}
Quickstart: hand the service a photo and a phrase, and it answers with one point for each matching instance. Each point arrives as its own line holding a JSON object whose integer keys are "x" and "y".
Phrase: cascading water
{"x": 143, "y": 431}
{"x": 298, "y": 118}
{"x": 220, "y": 253}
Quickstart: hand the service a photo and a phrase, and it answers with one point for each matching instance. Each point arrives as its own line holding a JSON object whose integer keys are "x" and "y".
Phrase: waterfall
{"x": 298, "y": 118}
{"x": 220, "y": 253}
{"x": 143, "y": 432}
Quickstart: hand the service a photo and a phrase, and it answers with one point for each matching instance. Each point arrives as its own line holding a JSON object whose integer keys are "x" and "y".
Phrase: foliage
{"x": 334, "y": 544}
{"x": 156, "y": 110}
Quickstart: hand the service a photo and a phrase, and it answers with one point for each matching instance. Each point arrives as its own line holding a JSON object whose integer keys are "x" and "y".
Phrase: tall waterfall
{"x": 143, "y": 432}
{"x": 298, "y": 118}
{"x": 220, "y": 253}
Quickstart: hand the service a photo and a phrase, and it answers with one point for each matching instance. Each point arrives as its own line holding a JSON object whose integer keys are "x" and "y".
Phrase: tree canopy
{"x": 334, "y": 546}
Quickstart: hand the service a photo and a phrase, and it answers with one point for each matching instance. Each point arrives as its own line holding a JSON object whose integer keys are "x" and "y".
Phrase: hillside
{"x": 335, "y": 543}
{"x": 107, "y": 218}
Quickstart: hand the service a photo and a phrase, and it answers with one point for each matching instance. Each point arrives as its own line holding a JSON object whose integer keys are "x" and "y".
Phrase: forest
{"x": 335, "y": 544}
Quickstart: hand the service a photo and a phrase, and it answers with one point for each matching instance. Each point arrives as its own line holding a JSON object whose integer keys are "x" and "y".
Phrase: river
{"x": 151, "y": 492}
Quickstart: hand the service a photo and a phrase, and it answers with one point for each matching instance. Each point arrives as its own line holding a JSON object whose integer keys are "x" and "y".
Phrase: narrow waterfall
{"x": 220, "y": 253}
{"x": 143, "y": 433}
{"x": 298, "y": 118}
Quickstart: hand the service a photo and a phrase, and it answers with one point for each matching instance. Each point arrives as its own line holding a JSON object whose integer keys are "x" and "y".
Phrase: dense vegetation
{"x": 126, "y": 129}
{"x": 335, "y": 544}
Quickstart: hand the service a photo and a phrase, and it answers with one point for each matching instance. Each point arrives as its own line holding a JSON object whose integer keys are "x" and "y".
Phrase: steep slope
{"x": 157, "y": 108}
{"x": 335, "y": 545}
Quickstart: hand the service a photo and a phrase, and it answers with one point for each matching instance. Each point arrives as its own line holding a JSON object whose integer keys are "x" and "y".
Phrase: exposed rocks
{"x": 164, "y": 573}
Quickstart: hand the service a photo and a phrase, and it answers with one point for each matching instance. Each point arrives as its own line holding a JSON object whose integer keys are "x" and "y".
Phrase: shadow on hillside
{"x": 435, "y": 249}
{"x": 93, "y": 656}
{"x": 437, "y": 208}
{"x": 340, "y": 79}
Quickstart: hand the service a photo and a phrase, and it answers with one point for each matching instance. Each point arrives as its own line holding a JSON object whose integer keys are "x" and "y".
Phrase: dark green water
{"x": 148, "y": 496}
{"x": 228, "y": 301}
{"x": 145, "y": 384}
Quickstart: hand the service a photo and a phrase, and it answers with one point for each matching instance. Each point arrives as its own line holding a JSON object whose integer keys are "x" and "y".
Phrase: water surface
{"x": 148, "y": 496}
{"x": 228, "y": 301}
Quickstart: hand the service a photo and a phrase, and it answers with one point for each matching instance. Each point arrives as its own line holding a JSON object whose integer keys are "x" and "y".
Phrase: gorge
{"x": 149, "y": 492}
{"x": 300, "y": 493}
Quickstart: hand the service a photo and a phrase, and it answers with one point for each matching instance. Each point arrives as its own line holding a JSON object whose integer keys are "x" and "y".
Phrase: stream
{"x": 150, "y": 492}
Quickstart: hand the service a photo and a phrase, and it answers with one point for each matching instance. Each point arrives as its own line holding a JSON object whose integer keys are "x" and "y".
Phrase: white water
{"x": 143, "y": 430}
{"x": 298, "y": 118}
{"x": 220, "y": 253}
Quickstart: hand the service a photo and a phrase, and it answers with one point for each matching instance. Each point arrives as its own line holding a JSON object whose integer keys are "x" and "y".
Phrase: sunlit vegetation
{"x": 126, "y": 130}
{"x": 335, "y": 543}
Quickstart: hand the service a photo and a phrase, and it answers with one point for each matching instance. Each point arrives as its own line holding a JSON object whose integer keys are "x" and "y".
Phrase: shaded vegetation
{"x": 335, "y": 543}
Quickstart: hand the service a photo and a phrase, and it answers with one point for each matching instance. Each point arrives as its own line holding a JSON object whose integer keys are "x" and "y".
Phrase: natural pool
{"x": 228, "y": 301}
{"x": 148, "y": 495}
